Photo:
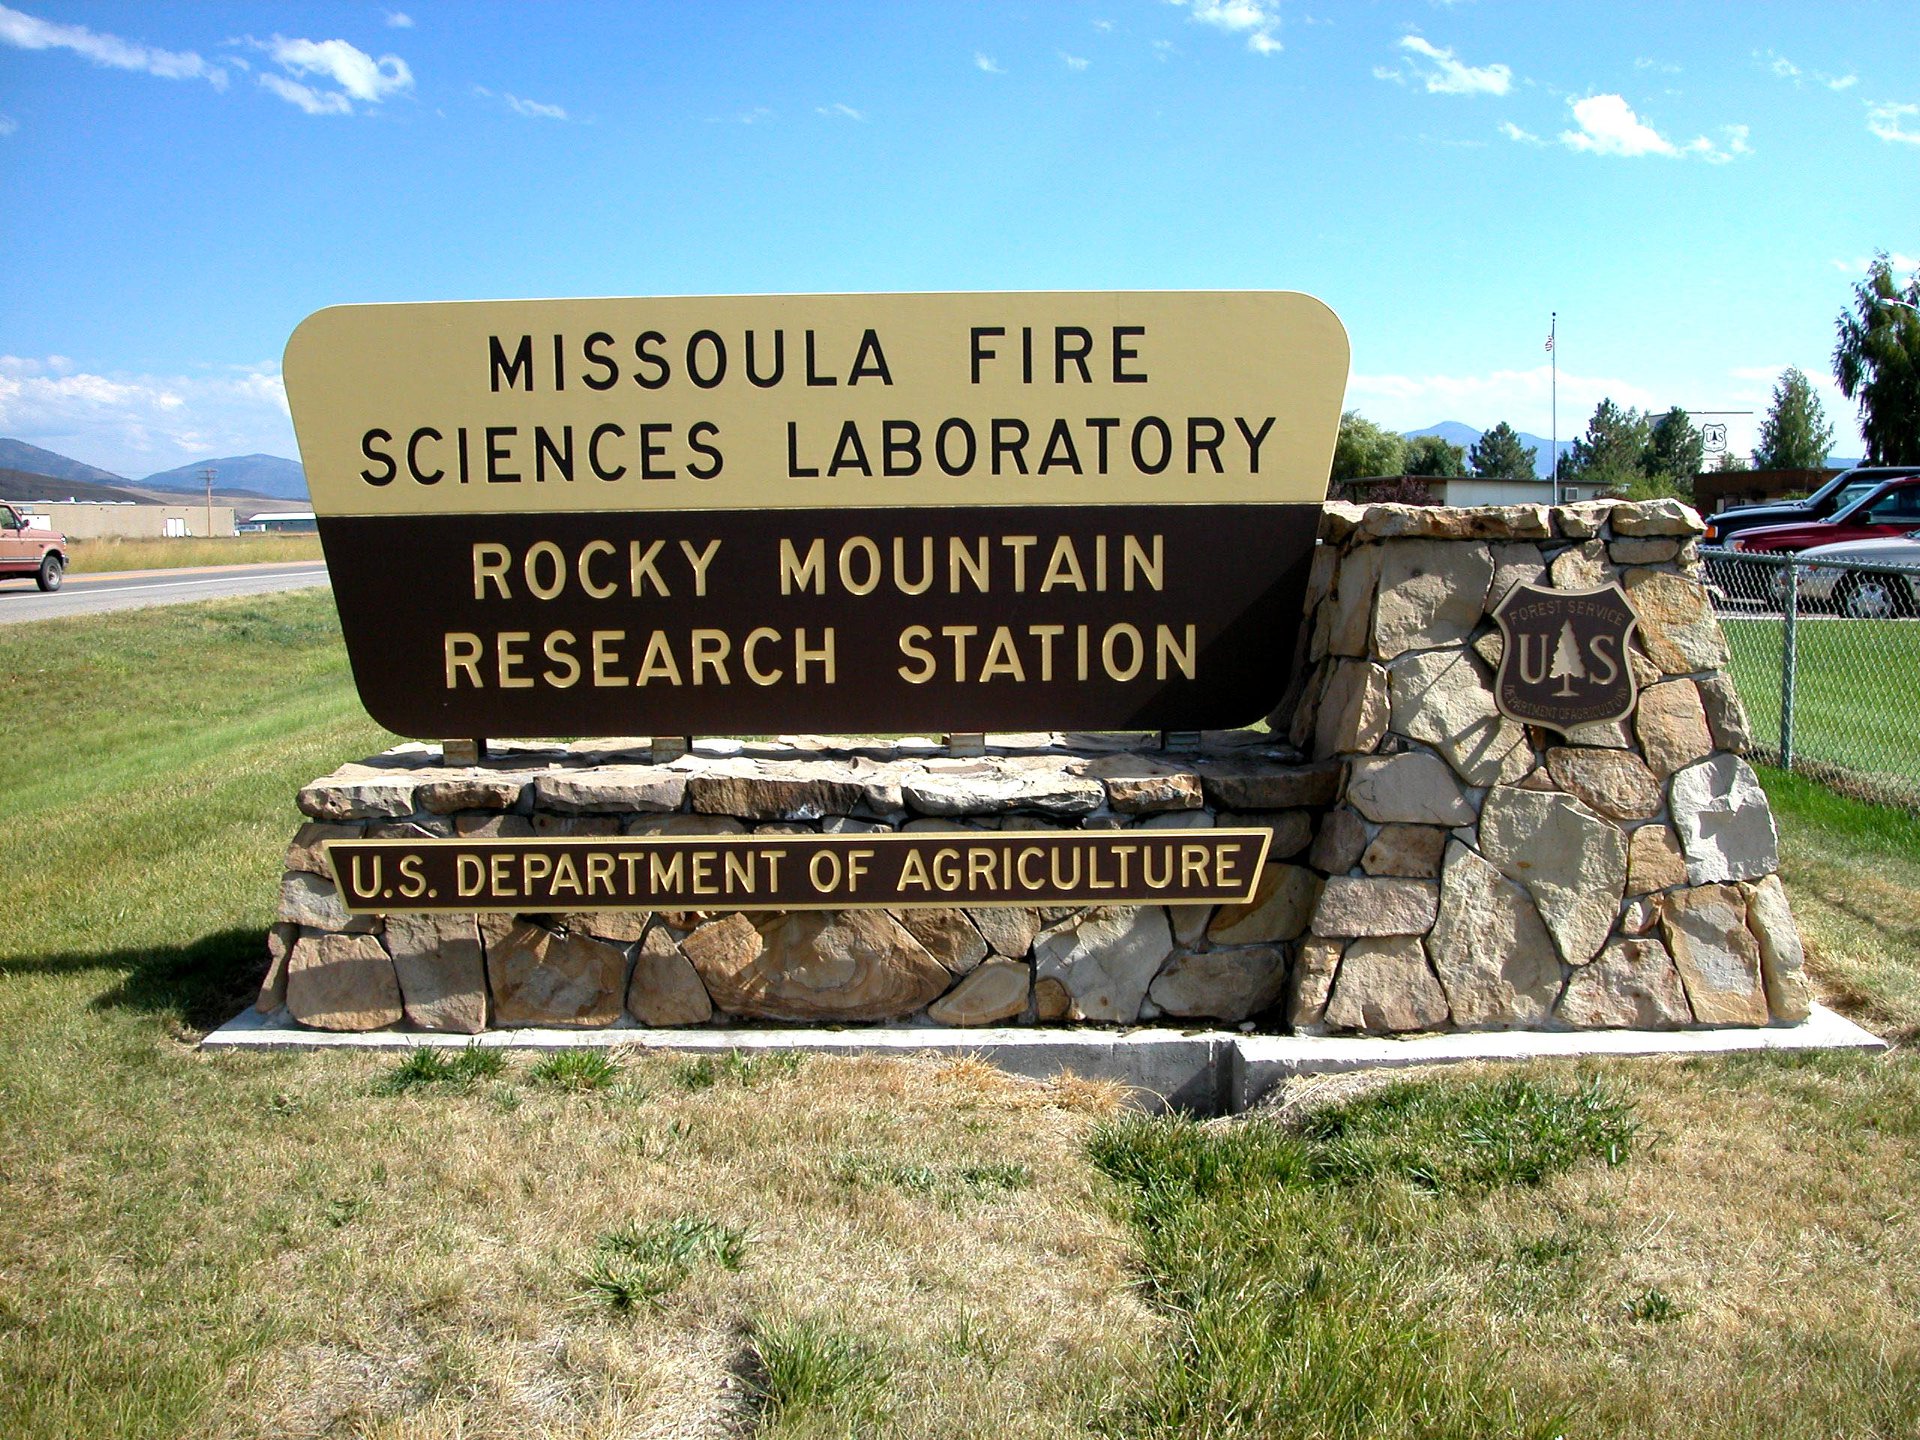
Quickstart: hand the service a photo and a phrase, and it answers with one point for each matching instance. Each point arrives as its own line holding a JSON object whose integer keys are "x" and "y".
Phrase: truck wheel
{"x": 1873, "y": 597}
{"x": 51, "y": 569}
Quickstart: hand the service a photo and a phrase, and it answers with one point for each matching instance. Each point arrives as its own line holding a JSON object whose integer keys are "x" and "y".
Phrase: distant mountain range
{"x": 267, "y": 475}
{"x": 30, "y": 485}
{"x": 1465, "y": 436}
{"x": 1455, "y": 433}
{"x": 18, "y": 455}
{"x": 262, "y": 474}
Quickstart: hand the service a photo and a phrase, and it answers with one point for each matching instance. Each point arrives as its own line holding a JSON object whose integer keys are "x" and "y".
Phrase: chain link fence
{"x": 1826, "y": 656}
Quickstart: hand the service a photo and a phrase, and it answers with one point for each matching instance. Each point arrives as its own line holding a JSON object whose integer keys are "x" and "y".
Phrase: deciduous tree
{"x": 1431, "y": 455}
{"x": 1365, "y": 449}
{"x": 1795, "y": 435}
{"x": 1877, "y": 363}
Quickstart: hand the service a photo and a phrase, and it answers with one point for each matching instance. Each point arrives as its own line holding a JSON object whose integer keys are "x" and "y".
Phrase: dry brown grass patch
{"x": 427, "y": 1279}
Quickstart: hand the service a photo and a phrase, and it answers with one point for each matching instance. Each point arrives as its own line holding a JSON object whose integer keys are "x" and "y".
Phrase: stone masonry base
{"x": 1435, "y": 866}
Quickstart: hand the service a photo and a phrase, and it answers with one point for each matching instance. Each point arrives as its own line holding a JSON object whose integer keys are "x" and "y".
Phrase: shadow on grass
{"x": 202, "y": 984}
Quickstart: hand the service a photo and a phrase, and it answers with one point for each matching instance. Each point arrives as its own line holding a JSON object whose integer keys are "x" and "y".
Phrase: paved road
{"x": 95, "y": 594}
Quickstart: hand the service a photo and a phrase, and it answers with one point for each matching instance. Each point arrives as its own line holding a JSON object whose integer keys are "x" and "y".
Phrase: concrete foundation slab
{"x": 1209, "y": 1072}
{"x": 1259, "y": 1062}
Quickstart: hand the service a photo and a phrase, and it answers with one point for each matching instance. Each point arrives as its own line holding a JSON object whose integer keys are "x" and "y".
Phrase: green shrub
{"x": 746, "y": 1069}
{"x": 428, "y": 1067}
{"x": 809, "y": 1371}
{"x": 576, "y": 1070}
{"x": 635, "y": 1264}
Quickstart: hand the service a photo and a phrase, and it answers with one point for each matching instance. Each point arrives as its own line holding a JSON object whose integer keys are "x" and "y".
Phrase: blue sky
{"x": 1692, "y": 187}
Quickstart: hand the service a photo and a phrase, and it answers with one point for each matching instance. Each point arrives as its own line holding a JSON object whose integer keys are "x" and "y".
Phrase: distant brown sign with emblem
{"x": 800, "y": 872}
{"x": 1564, "y": 661}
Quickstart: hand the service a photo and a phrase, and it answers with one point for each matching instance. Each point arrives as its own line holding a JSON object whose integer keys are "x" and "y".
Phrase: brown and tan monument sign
{"x": 903, "y": 512}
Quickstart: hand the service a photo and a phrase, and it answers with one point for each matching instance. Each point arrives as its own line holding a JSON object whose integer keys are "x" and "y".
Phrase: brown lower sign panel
{"x": 1170, "y": 617}
{"x": 800, "y": 872}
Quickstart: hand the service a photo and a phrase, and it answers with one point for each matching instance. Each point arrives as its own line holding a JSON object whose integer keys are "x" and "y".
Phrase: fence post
{"x": 1789, "y": 662}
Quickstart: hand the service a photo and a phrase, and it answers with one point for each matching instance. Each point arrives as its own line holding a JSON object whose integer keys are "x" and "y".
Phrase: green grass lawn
{"x": 337, "y": 1243}
{"x": 1857, "y": 698}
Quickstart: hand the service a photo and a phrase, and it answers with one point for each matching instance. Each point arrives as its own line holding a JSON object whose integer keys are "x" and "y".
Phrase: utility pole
{"x": 207, "y": 475}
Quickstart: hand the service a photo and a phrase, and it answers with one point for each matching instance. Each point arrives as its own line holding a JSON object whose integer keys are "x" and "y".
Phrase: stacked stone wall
{"x": 1434, "y": 864}
{"x": 1180, "y": 964}
{"x": 1480, "y": 873}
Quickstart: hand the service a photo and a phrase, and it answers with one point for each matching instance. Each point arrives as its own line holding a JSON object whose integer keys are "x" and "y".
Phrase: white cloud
{"x": 314, "y": 102}
{"x": 1074, "y": 62}
{"x": 399, "y": 20}
{"x": 1860, "y": 265}
{"x": 983, "y": 61}
{"x": 1256, "y": 19}
{"x": 1523, "y": 398}
{"x": 8, "y": 125}
{"x": 1608, "y": 126}
{"x": 1783, "y": 67}
{"x": 533, "y": 109}
{"x": 1103, "y": 25}
{"x": 838, "y": 111}
{"x": 1446, "y": 74}
{"x": 137, "y": 424}
{"x": 1514, "y": 132}
{"x": 1888, "y": 121}
{"x": 29, "y": 32}
{"x": 358, "y": 74}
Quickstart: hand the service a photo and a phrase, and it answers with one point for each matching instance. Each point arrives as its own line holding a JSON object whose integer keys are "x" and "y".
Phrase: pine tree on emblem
{"x": 1567, "y": 666}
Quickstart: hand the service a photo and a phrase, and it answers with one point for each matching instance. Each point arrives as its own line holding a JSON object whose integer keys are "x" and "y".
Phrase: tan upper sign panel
{"x": 809, "y": 401}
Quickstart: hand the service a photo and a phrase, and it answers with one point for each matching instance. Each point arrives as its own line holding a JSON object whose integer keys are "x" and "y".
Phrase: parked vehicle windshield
{"x": 1892, "y": 508}
{"x": 1850, "y": 493}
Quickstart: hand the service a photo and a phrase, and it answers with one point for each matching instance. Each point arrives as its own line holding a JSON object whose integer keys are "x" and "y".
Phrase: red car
{"x": 1890, "y": 509}
{"x": 28, "y": 550}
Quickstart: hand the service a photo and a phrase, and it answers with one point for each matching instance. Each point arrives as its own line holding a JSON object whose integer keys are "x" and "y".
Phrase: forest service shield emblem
{"x": 1564, "y": 660}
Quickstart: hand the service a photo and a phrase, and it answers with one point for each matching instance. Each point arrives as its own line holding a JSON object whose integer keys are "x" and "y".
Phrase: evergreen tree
{"x": 1567, "y": 666}
{"x": 1430, "y": 455}
{"x": 1877, "y": 362}
{"x": 1675, "y": 450}
{"x": 1730, "y": 461}
{"x": 1499, "y": 455}
{"x": 1795, "y": 435}
{"x": 1612, "y": 454}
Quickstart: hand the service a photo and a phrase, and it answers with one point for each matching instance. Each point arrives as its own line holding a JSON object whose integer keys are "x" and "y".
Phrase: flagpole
{"x": 1553, "y": 330}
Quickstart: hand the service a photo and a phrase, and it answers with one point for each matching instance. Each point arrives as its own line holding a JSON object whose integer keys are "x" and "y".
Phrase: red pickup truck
{"x": 28, "y": 550}
{"x": 1892, "y": 508}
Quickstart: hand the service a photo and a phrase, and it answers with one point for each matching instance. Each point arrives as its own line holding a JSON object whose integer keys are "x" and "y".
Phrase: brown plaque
{"x": 800, "y": 872}
{"x": 1564, "y": 658}
{"x": 896, "y": 512}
